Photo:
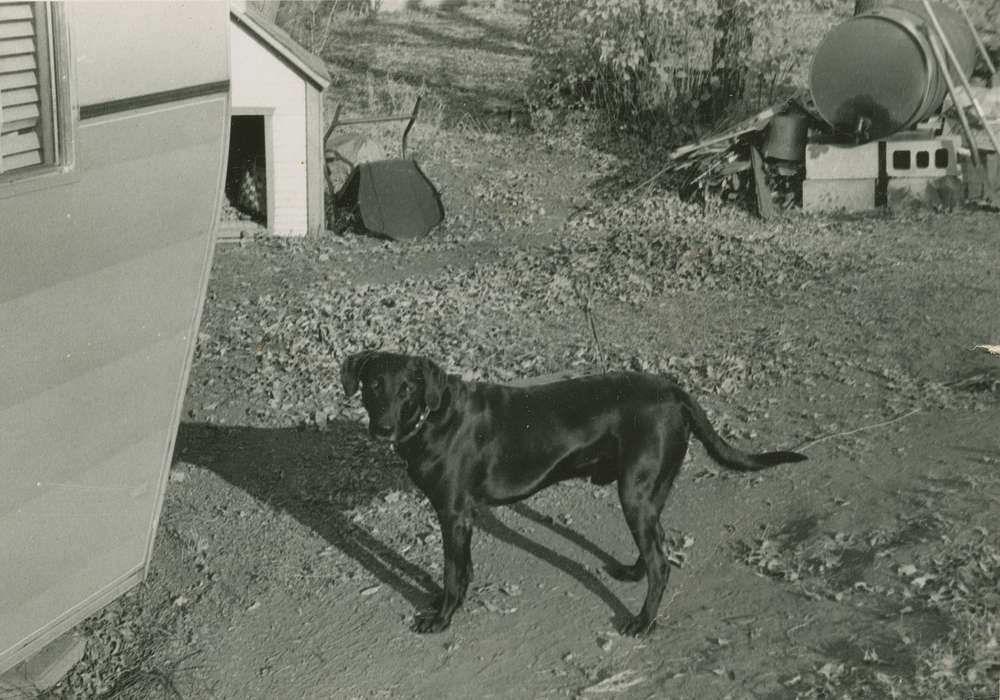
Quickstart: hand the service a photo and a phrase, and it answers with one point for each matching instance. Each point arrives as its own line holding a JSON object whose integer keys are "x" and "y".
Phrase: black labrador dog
{"x": 467, "y": 444}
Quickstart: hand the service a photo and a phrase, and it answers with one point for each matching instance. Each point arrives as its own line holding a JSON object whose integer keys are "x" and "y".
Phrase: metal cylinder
{"x": 786, "y": 137}
{"x": 876, "y": 72}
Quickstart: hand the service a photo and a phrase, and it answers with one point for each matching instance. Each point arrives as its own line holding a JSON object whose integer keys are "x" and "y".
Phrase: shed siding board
{"x": 316, "y": 213}
{"x": 260, "y": 80}
{"x": 101, "y": 279}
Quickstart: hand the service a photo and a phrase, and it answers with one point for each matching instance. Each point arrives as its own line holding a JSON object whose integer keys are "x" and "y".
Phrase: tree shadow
{"x": 495, "y": 41}
{"x": 318, "y": 477}
{"x": 495, "y": 38}
{"x": 460, "y": 101}
{"x": 441, "y": 68}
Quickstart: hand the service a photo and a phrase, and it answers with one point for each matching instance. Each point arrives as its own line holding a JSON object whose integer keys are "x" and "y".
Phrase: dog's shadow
{"x": 318, "y": 476}
{"x": 488, "y": 522}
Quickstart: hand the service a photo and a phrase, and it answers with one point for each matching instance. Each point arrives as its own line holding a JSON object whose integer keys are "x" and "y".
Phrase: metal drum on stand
{"x": 876, "y": 74}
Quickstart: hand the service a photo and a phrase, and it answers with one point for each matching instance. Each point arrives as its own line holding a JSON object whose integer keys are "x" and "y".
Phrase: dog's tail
{"x": 724, "y": 453}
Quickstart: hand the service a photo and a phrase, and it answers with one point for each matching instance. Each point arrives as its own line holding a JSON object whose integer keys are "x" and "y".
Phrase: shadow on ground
{"x": 319, "y": 477}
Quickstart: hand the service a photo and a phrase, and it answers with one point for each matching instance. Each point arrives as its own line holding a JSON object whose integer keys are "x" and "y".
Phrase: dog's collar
{"x": 425, "y": 414}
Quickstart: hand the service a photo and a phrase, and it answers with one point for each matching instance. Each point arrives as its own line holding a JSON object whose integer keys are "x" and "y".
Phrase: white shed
{"x": 276, "y": 138}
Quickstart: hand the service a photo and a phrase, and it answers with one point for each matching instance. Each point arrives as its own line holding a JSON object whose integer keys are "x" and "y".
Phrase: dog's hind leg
{"x": 643, "y": 490}
{"x": 642, "y": 519}
{"x": 633, "y": 572}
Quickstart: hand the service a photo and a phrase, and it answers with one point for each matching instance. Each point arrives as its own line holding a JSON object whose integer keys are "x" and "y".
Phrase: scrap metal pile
{"x": 890, "y": 117}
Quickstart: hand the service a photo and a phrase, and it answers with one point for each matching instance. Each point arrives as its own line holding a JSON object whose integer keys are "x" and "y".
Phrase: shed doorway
{"x": 248, "y": 175}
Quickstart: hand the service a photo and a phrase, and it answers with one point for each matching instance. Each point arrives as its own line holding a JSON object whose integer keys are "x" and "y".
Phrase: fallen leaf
{"x": 623, "y": 680}
{"x": 830, "y": 670}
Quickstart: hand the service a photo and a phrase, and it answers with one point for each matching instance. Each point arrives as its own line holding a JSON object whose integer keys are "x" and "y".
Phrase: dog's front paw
{"x": 430, "y": 623}
{"x": 638, "y": 626}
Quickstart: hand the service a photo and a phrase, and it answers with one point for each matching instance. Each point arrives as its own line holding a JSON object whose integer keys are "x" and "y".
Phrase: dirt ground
{"x": 292, "y": 551}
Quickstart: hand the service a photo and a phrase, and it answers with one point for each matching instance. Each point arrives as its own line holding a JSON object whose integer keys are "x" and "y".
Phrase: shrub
{"x": 312, "y": 23}
{"x": 672, "y": 64}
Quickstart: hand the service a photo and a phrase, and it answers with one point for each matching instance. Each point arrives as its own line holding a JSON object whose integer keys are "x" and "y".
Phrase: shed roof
{"x": 307, "y": 64}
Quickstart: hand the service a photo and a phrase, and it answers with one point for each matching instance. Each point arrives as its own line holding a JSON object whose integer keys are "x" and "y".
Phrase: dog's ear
{"x": 350, "y": 371}
{"x": 434, "y": 383}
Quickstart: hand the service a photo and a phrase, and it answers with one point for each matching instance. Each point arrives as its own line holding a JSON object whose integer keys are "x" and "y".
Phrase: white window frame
{"x": 61, "y": 110}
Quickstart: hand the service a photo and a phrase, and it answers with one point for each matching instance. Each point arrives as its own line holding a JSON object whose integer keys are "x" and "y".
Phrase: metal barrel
{"x": 875, "y": 74}
{"x": 786, "y": 137}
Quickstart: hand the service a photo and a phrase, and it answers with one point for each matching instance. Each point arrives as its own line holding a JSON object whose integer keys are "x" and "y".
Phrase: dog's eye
{"x": 374, "y": 385}
{"x": 405, "y": 389}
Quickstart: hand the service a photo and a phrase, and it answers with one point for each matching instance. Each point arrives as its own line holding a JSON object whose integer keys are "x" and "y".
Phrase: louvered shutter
{"x": 21, "y": 83}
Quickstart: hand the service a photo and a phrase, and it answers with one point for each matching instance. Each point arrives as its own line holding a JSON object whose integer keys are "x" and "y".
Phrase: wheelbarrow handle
{"x": 333, "y": 124}
{"x": 409, "y": 125}
{"x": 410, "y": 118}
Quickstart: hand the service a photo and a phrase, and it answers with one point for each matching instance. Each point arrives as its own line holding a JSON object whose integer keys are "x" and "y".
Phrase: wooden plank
{"x": 16, "y": 47}
{"x": 21, "y": 114}
{"x": 766, "y": 208}
{"x": 12, "y": 81}
{"x": 315, "y": 180}
{"x": 21, "y": 160}
{"x": 15, "y": 11}
{"x": 17, "y": 64}
{"x": 754, "y": 123}
{"x": 19, "y": 125}
{"x": 100, "y": 318}
{"x": 42, "y": 671}
{"x": 15, "y": 143}
{"x": 21, "y": 96}
{"x": 16, "y": 29}
{"x": 51, "y": 116}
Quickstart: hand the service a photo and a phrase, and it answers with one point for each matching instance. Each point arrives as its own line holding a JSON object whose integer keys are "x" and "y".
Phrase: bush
{"x": 675, "y": 64}
{"x": 312, "y": 23}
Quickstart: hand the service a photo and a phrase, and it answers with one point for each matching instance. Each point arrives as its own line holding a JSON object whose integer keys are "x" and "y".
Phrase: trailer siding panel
{"x": 125, "y": 49}
{"x": 128, "y": 175}
{"x": 101, "y": 318}
{"x": 102, "y": 276}
{"x": 88, "y": 554}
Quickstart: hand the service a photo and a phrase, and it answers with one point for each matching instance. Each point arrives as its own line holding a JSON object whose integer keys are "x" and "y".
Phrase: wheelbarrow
{"x": 391, "y": 198}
